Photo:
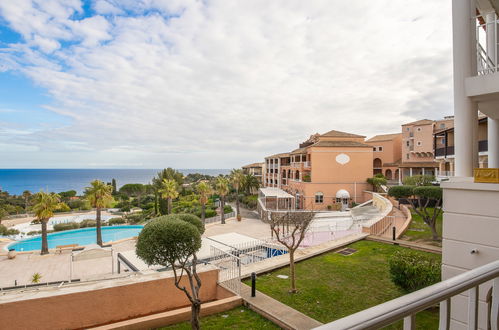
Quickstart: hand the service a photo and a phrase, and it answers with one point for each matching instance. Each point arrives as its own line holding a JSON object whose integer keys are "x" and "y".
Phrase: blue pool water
{"x": 84, "y": 236}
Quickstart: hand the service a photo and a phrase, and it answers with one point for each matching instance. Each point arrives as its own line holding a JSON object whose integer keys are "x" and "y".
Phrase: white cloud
{"x": 219, "y": 83}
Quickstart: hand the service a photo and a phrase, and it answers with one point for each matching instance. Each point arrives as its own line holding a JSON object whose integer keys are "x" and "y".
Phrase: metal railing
{"x": 486, "y": 34}
{"x": 218, "y": 218}
{"x": 229, "y": 265}
{"x": 406, "y": 307}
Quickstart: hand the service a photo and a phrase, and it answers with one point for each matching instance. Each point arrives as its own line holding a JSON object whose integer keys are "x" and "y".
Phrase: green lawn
{"x": 333, "y": 286}
{"x": 237, "y": 318}
{"x": 420, "y": 232}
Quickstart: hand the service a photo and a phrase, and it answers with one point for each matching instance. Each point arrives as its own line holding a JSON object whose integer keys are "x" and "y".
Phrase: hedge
{"x": 413, "y": 271}
{"x": 66, "y": 226}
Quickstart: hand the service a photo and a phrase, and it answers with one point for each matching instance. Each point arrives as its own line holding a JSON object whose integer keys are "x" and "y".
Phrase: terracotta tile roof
{"x": 284, "y": 154}
{"x": 340, "y": 144}
{"x": 334, "y": 133}
{"x": 253, "y": 165}
{"x": 298, "y": 151}
{"x": 383, "y": 137}
{"x": 420, "y": 122}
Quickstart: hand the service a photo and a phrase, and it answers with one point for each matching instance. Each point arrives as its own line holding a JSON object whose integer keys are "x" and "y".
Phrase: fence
{"x": 229, "y": 265}
{"x": 218, "y": 218}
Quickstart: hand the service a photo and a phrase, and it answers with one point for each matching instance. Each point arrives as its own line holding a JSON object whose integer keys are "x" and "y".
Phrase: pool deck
{"x": 56, "y": 267}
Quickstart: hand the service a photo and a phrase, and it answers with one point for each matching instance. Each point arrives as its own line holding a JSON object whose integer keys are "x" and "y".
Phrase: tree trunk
{"x": 237, "y": 202}
{"x": 98, "y": 227}
{"x": 195, "y": 309}
{"x": 45, "y": 243}
{"x": 222, "y": 212}
{"x": 203, "y": 212}
{"x": 434, "y": 232}
{"x": 292, "y": 271}
{"x": 169, "y": 205}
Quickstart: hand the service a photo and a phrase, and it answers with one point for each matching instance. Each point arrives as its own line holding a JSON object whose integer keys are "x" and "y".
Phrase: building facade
{"x": 255, "y": 169}
{"x": 387, "y": 154}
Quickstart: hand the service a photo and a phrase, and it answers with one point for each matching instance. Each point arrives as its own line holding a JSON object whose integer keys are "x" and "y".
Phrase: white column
{"x": 410, "y": 171}
{"x": 491, "y": 46}
{"x": 436, "y": 171}
{"x": 464, "y": 56}
{"x": 422, "y": 169}
{"x": 493, "y": 142}
{"x": 400, "y": 176}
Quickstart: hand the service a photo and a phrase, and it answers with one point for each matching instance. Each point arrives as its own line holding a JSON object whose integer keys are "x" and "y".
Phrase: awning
{"x": 275, "y": 192}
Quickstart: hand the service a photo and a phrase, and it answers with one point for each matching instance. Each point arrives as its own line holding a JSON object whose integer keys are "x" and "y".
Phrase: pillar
{"x": 400, "y": 176}
{"x": 464, "y": 60}
{"x": 410, "y": 171}
{"x": 493, "y": 142}
{"x": 422, "y": 170}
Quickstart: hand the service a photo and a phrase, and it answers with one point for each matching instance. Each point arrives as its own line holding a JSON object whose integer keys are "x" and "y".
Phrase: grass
{"x": 419, "y": 231}
{"x": 237, "y": 318}
{"x": 332, "y": 286}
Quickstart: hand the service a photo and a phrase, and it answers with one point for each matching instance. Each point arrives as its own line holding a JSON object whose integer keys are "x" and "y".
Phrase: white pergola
{"x": 276, "y": 199}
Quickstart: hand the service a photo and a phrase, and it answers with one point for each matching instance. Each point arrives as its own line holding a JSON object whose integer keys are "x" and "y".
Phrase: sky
{"x": 212, "y": 83}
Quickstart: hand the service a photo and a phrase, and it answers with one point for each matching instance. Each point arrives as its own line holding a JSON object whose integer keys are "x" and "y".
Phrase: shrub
{"x": 3, "y": 230}
{"x": 413, "y": 271}
{"x": 227, "y": 209}
{"x": 116, "y": 221}
{"x": 135, "y": 218}
{"x": 398, "y": 192}
{"x": 209, "y": 213}
{"x": 66, "y": 226}
{"x": 419, "y": 180}
{"x": 88, "y": 223}
{"x": 12, "y": 231}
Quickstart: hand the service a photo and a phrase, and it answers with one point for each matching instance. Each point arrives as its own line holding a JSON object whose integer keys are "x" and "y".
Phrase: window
{"x": 442, "y": 125}
{"x": 419, "y": 129}
{"x": 380, "y": 148}
{"x": 407, "y": 129}
{"x": 443, "y": 141}
{"x": 319, "y": 198}
{"x": 407, "y": 156}
{"x": 407, "y": 143}
{"x": 419, "y": 143}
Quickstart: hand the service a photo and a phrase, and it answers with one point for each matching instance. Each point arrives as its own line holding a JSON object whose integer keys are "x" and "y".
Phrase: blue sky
{"x": 212, "y": 84}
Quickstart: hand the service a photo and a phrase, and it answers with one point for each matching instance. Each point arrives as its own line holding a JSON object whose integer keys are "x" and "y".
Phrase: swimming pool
{"x": 84, "y": 236}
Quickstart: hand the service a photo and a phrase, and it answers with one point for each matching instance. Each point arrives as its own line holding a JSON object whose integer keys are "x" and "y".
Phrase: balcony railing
{"x": 406, "y": 307}
{"x": 483, "y": 146}
{"x": 486, "y": 44}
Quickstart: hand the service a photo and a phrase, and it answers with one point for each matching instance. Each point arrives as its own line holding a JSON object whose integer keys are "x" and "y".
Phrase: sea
{"x": 15, "y": 181}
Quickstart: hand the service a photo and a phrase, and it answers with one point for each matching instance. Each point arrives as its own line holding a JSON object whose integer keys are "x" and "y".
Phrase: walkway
{"x": 279, "y": 313}
{"x": 409, "y": 244}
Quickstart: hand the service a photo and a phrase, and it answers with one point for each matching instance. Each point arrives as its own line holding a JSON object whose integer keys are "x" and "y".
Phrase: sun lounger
{"x": 71, "y": 247}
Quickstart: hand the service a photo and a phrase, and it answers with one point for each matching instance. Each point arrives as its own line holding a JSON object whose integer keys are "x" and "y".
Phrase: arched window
{"x": 388, "y": 174}
{"x": 377, "y": 163}
{"x": 297, "y": 175}
{"x": 319, "y": 198}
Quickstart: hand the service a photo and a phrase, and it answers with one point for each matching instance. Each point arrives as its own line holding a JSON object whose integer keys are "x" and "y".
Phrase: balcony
{"x": 406, "y": 307}
{"x": 443, "y": 152}
{"x": 486, "y": 45}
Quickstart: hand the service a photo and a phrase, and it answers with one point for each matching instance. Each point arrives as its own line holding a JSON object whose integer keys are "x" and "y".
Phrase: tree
{"x": 26, "y": 195}
{"x": 204, "y": 190}
{"x": 99, "y": 196}
{"x": 419, "y": 180}
{"x": 424, "y": 196}
{"x": 157, "y": 182}
{"x": 222, "y": 190}
{"x": 169, "y": 191}
{"x": 133, "y": 190}
{"x": 377, "y": 181}
{"x": 251, "y": 183}
{"x": 3, "y": 214}
{"x": 66, "y": 195}
{"x": 113, "y": 184}
{"x": 237, "y": 180}
{"x": 289, "y": 229}
{"x": 44, "y": 206}
{"x": 170, "y": 242}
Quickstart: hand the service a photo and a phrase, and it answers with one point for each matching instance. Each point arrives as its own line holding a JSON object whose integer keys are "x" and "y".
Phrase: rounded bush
{"x": 164, "y": 241}
{"x": 3, "y": 230}
{"x": 413, "y": 271}
{"x": 227, "y": 209}
{"x": 66, "y": 226}
{"x": 189, "y": 218}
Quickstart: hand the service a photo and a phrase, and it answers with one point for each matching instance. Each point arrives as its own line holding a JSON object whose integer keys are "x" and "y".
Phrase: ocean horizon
{"x": 15, "y": 181}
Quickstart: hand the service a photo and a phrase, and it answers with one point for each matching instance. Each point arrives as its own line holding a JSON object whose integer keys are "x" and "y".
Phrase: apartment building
{"x": 328, "y": 170}
{"x": 443, "y": 141}
{"x": 387, "y": 154}
{"x": 255, "y": 169}
{"x": 417, "y": 147}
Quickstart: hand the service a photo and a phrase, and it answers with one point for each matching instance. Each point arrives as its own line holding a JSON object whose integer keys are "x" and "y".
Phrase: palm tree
{"x": 204, "y": 191}
{"x": 251, "y": 183}
{"x": 157, "y": 182}
{"x": 237, "y": 180}
{"x": 169, "y": 191}
{"x": 26, "y": 196}
{"x": 222, "y": 189}
{"x": 99, "y": 195}
{"x": 44, "y": 206}
{"x": 3, "y": 214}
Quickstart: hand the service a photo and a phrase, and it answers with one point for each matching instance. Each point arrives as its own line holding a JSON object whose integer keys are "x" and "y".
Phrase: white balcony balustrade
{"x": 487, "y": 43}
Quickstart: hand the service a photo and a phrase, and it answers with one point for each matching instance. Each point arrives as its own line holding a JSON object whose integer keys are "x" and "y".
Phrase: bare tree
{"x": 289, "y": 229}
